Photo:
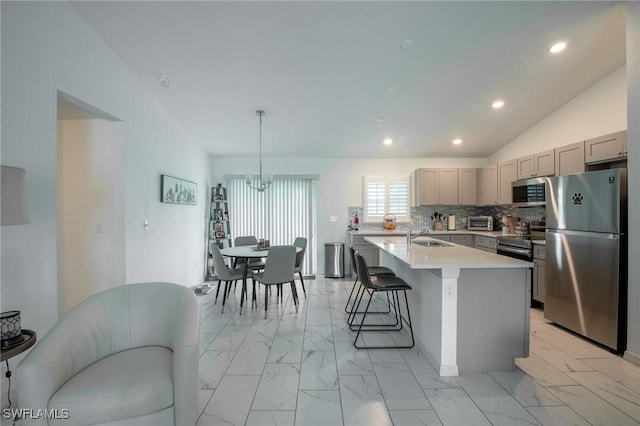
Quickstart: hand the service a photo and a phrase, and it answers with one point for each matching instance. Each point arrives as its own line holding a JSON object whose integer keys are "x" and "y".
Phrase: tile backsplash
{"x": 421, "y": 215}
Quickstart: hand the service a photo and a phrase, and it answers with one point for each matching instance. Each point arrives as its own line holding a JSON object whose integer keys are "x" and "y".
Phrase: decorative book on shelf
{"x": 219, "y": 230}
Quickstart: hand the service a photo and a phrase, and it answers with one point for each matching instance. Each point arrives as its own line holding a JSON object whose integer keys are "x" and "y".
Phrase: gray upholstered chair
{"x": 125, "y": 356}
{"x": 301, "y": 243}
{"x": 249, "y": 240}
{"x": 278, "y": 270}
{"x": 228, "y": 275}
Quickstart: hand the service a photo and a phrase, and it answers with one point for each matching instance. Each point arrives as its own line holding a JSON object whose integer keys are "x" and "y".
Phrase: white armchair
{"x": 127, "y": 355}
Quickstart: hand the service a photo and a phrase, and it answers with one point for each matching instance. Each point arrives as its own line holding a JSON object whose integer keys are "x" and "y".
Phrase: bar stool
{"x": 374, "y": 271}
{"x": 372, "y": 285}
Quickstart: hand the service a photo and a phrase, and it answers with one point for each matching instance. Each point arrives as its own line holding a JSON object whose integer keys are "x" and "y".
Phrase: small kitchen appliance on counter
{"x": 480, "y": 223}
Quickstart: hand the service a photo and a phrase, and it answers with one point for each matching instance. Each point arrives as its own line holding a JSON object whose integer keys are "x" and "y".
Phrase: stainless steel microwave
{"x": 480, "y": 223}
{"x": 528, "y": 192}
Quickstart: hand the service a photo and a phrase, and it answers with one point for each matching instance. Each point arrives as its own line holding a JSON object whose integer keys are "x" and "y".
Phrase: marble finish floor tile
{"x": 400, "y": 388}
{"x": 271, "y": 418}
{"x": 543, "y": 372}
{"x": 319, "y": 370}
{"x": 285, "y": 350}
{"x": 362, "y": 401}
{"x": 319, "y": 407}
{"x": 611, "y": 391}
{"x": 278, "y": 389}
{"x": 318, "y": 338}
{"x": 414, "y": 418}
{"x": 557, "y": 416}
{"x": 352, "y": 361}
{"x": 626, "y": 374}
{"x": 231, "y": 401}
{"x": 454, "y": 407}
{"x": 591, "y": 407}
{"x": 250, "y": 358}
{"x": 496, "y": 404}
{"x": 524, "y": 389}
{"x": 302, "y": 368}
{"x": 212, "y": 367}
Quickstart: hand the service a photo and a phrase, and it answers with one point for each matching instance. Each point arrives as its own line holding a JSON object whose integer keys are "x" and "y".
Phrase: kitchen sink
{"x": 431, "y": 243}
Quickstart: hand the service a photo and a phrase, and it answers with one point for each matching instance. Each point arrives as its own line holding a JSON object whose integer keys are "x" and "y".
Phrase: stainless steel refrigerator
{"x": 586, "y": 255}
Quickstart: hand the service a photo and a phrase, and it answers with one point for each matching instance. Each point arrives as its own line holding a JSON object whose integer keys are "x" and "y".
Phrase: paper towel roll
{"x": 451, "y": 223}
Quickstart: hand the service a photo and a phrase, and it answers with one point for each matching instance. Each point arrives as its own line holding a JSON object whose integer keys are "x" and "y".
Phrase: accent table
{"x": 29, "y": 339}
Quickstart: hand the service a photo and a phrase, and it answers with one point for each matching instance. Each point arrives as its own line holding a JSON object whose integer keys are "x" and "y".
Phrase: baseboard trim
{"x": 632, "y": 357}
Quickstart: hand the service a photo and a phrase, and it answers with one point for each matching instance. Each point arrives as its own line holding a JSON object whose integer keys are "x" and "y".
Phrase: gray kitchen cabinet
{"x": 490, "y": 184}
{"x": 489, "y": 244}
{"x": 463, "y": 240}
{"x": 569, "y": 159}
{"x": 467, "y": 187}
{"x": 606, "y": 148}
{"x": 369, "y": 251}
{"x": 507, "y": 173}
{"x": 538, "y": 272}
{"x": 441, "y": 237}
{"x": 437, "y": 187}
{"x": 540, "y": 164}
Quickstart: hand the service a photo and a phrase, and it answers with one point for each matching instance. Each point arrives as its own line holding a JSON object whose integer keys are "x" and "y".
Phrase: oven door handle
{"x": 521, "y": 252}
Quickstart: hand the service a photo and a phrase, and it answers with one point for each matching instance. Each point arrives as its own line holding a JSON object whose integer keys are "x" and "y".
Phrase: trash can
{"x": 334, "y": 260}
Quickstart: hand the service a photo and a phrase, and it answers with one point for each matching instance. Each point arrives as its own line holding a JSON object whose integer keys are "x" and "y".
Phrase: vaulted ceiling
{"x": 336, "y": 77}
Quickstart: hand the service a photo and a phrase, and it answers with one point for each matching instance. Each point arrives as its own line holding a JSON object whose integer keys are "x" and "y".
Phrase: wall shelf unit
{"x": 219, "y": 227}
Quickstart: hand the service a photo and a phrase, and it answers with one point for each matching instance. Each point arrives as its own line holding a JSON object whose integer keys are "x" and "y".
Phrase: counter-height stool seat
{"x": 370, "y": 286}
{"x": 374, "y": 271}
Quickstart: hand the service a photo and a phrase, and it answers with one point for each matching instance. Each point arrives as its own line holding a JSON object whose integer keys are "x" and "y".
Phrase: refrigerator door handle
{"x": 584, "y": 234}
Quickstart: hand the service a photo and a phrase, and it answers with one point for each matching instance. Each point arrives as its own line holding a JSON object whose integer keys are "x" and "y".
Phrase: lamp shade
{"x": 13, "y": 209}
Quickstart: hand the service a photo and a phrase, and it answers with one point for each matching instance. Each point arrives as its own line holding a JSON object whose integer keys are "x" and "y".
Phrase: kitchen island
{"x": 469, "y": 308}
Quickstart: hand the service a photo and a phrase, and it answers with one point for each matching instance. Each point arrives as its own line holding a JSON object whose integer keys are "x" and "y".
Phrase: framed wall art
{"x": 178, "y": 191}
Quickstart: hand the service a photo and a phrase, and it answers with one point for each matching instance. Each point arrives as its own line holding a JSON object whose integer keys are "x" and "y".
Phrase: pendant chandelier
{"x": 264, "y": 181}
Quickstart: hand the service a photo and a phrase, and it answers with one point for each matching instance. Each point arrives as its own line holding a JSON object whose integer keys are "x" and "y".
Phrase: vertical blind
{"x": 281, "y": 213}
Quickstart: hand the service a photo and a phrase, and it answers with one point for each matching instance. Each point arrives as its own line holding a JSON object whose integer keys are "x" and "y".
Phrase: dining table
{"x": 248, "y": 253}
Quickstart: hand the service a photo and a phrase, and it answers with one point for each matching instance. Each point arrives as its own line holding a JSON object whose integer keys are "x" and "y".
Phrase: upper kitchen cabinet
{"x": 467, "y": 187}
{"x": 570, "y": 159}
{"x": 507, "y": 173}
{"x": 437, "y": 187}
{"x": 540, "y": 164}
{"x": 606, "y": 148}
{"x": 489, "y": 185}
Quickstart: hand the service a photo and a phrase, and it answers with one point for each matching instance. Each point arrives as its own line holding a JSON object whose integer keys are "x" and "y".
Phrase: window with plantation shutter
{"x": 382, "y": 195}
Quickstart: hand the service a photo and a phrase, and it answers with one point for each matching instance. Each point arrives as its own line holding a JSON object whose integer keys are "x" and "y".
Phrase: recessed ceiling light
{"x": 497, "y": 104}
{"x": 380, "y": 118}
{"x": 164, "y": 81}
{"x": 406, "y": 44}
{"x": 558, "y": 47}
{"x": 457, "y": 141}
{"x": 388, "y": 141}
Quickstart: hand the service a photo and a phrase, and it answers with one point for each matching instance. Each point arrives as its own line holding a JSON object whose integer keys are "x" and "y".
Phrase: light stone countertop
{"x": 452, "y": 256}
{"x": 374, "y": 232}
{"x": 541, "y": 242}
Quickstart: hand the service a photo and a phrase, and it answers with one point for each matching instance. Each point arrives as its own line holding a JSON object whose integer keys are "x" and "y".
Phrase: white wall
{"x": 599, "y": 110}
{"x": 47, "y": 47}
{"x": 633, "y": 141}
{"x": 340, "y": 184}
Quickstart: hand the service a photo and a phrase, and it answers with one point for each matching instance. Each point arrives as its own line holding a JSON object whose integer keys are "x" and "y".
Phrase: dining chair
{"x": 382, "y": 283}
{"x": 301, "y": 243}
{"x": 228, "y": 275}
{"x": 374, "y": 271}
{"x": 279, "y": 269}
{"x": 248, "y": 240}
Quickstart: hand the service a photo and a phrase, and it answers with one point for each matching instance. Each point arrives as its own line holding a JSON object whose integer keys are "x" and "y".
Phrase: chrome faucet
{"x": 411, "y": 236}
